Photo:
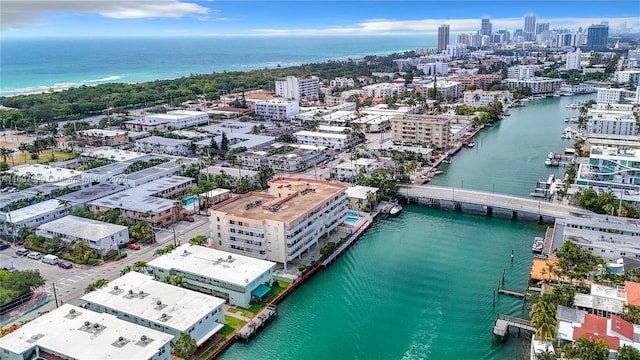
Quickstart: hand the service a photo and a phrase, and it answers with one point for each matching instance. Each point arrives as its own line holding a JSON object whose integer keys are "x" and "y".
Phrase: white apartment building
{"x": 631, "y": 77}
{"x": 294, "y": 88}
{"x": 521, "y": 72}
{"x": 140, "y": 299}
{"x": 457, "y": 51}
{"x": 98, "y": 235}
{"x": 236, "y": 278}
{"x": 610, "y": 96}
{"x": 479, "y": 98}
{"x": 449, "y": 90}
{"x": 31, "y": 216}
{"x": 281, "y": 224}
{"x": 71, "y": 332}
{"x": 574, "y": 60}
{"x": 341, "y": 81}
{"x": 422, "y": 129}
{"x": 180, "y": 119}
{"x": 162, "y": 145}
{"x": 381, "y": 90}
{"x": 330, "y": 141}
{"x": 434, "y": 68}
{"x": 40, "y": 173}
{"x": 538, "y": 85}
{"x": 611, "y": 122}
{"x": 611, "y": 168}
{"x": 350, "y": 169}
{"x": 277, "y": 109}
{"x": 583, "y": 88}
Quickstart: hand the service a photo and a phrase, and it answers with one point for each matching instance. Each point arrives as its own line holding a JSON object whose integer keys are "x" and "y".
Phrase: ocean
{"x": 39, "y": 65}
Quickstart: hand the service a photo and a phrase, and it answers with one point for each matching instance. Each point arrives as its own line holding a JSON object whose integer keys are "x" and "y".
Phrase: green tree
{"x": 543, "y": 319}
{"x": 185, "y": 346}
{"x": 199, "y": 240}
{"x": 586, "y": 349}
{"x": 17, "y": 283}
{"x": 265, "y": 173}
{"x": 224, "y": 142}
{"x": 628, "y": 353}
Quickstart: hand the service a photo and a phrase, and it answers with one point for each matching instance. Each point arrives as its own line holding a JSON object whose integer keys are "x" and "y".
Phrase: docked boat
{"x": 471, "y": 144}
{"x": 395, "y": 209}
{"x": 571, "y": 106}
{"x": 538, "y": 245}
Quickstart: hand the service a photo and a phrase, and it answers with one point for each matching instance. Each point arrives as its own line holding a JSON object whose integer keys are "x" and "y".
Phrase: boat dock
{"x": 257, "y": 322}
{"x": 512, "y": 293}
{"x": 504, "y": 322}
{"x": 347, "y": 244}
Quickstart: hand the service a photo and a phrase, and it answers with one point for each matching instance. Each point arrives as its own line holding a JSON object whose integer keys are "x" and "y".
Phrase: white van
{"x": 50, "y": 259}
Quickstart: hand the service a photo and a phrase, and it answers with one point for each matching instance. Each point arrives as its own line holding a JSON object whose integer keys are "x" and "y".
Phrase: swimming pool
{"x": 351, "y": 219}
{"x": 189, "y": 201}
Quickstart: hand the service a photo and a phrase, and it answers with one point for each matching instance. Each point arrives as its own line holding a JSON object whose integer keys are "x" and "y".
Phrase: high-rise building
{"x": 485, "y": 28}
{"x": 597, "y": 36}
{"x": 506, "y": 36}
{"x": 291, "y": 87}
{"x": 542, "y": 27}
{"x": 443, "y": 37}
{"x": 573, "y": 60}
{"x": 530, "y": 28}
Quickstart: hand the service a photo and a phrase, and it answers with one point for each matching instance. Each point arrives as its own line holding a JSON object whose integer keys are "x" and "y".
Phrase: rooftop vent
{"x": 120, "y": 342}
{"x": 72, "y": 314}
{"x": 144, "y": 341}
{"x": 34, "y": 338}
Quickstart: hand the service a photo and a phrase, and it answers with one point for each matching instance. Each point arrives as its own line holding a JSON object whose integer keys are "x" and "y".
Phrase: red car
{"x": 133, "y": 246}
{"x": 189, "y": 218}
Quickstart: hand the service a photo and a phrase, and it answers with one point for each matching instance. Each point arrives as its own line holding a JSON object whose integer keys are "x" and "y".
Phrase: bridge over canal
{"x": 462, "y": 199}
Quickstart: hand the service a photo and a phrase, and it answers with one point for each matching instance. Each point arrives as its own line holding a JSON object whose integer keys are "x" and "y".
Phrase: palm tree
{"x": 543, "y": 319}
{"x": 185, "y": 346}
{"x": 4, "y": 154}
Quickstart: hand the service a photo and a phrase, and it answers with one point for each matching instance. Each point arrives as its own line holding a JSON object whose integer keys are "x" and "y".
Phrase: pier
{"x": 257, "y": 322}
{"x": 459, "y": 199}
{"x": 512, "y": 293}
{"x": 347, "y": 244}
{"x": 504, "y": 322}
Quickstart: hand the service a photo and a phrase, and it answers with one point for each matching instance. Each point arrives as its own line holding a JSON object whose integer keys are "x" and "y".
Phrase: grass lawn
{"x": 45, "y": 157}
{"x": 226, "y": 332}
{"x": 233, "y": 322}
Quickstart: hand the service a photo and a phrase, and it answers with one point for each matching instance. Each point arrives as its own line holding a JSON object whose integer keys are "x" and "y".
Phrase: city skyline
{"x": 166, "y": 18}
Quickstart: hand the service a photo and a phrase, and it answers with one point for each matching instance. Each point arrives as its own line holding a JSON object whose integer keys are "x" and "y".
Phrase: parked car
{"x": 20, "y": 242}
{"x": 50, "y": 259}
{"x": 34, "y": 255}
{"x": 22, "y": 251}
{"x": 133, "y": 246}
{"x": 189, "y": 218}
{"x": 65, "y": 264}
{"x": 4, "y": 245}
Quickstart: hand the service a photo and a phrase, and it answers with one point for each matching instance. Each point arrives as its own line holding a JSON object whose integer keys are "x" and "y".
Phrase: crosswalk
{"x": 63, "y": 284}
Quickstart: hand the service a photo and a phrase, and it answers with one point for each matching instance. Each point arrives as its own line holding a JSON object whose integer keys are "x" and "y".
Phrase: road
{"x": 70, "y": 283}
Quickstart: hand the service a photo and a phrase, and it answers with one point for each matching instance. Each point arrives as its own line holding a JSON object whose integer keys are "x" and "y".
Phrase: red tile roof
{"x": 594, "y": 328}
{"x": 622, "y": 327}
{"x": 633, "y": 292}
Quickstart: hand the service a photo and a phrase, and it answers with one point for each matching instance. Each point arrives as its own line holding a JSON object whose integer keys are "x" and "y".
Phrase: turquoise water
{"x": 351, "y": 220}
{"x": 420, "y": 285}
{"x": 76, "y": 62}
{"x": 189, "y": 201}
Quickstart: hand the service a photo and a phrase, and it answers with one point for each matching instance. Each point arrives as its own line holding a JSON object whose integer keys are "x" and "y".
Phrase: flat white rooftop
{"x": 360, "y": 192}
{"x": 114, "y": 154}
{"x": 182, "y": 308}
{"x": 63, "y": 331}
{"x": 40, "y": 208}
{"x": 83, "y": 228}
{"x": 43, "y": 173}
{"x": 320, "y": 134}
{"x": 215, "y": 264}
{"x": 102, "y": 132}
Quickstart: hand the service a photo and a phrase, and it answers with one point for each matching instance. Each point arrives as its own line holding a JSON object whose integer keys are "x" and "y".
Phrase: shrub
{"x": 92, "y": 262}
{"x": 301, "y": 267}
{"x": 110, "y": 255}
{"x": 122, "y": 255}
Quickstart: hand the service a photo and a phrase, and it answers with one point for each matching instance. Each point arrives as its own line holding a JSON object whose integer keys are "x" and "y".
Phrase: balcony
{"x": 259, "y": 230}
{"x": 229, "y": 234}
{"x": 245, "y": 245}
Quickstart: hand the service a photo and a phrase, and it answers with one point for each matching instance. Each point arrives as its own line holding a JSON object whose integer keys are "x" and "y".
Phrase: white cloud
{"x": 18, "y": 14}
{"x": 384, "y": 26}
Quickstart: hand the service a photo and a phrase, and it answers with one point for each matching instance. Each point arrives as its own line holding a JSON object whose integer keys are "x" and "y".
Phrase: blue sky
{"x": 162, "y": 18}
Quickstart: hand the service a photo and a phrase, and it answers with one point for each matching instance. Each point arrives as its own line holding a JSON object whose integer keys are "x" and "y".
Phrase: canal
{"x": 420, "y": 285}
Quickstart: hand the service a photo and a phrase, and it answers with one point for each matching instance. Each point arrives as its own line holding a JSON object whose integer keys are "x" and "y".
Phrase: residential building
{"x": 597, "y": 36}
{"x": 584, "y": 88}
{"x": 422, "y": 129}
{"x": 455, "y": 51}
{"x": 123, "y": 173}
{"x": 149, "y": 202}
{"x": 479, "y": 98}
{"x": 294, "y": 88}
{"x": 521, "y": 72}
{"x": 277, "y": 109}
{"x": 215, "y": 196}
{"x": 147, "y": 124}
{"x": 530, "y": 28}
{"x": 541, "y": 28}
{"x": 448, "y": 90}
{"x": 40, "y": 173}
{"x": 389, "y": 145}
{"x": 98, "y": 235}
{"x": 235, "y": 278}
{"x": 381, "y": 90}
{"x": 162, "y": 145}
{"x": 628, "y": 77}
{"x": 538, "y": 85}
{"x": 443, "y": 37}
{"x": 31, "y": 216}
{"x": 71, "y": 332}
{"x": 610, "y": 96}
{"x": 80, "y": 198}
{"x": 180, "y": 119}
{"x": 606, "y": 236}
{"x": 434, "y": 68}
{"x": 459, "y": 128}
{"x": 102, "y": 137}
{"x": 361, "y": 197}
{"x": 138, "y": 298}
{"x": 574, "y": 60}
{"x": 280, "y": 224}
{"x": 329, "y": 141}
{"x": 610, "y": 167}
{"x": 342, "y": 81}
{"x": 362, "y": 166}
{"x": 236, "y": 173}
{"x": 112, "y": 154}
{"x": 482, "y": 81}
{"x": 611, "y": 122}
